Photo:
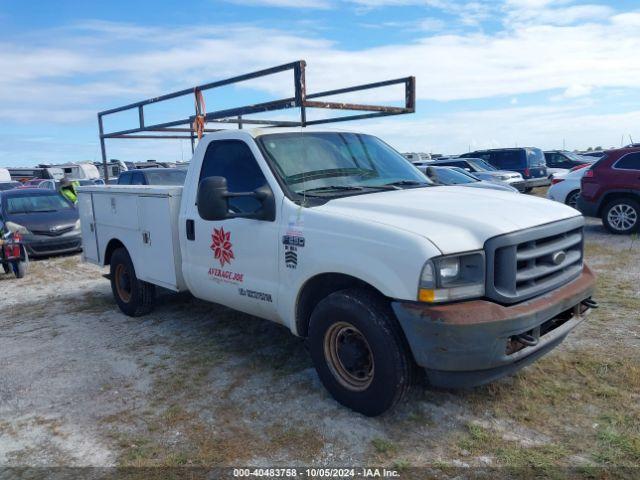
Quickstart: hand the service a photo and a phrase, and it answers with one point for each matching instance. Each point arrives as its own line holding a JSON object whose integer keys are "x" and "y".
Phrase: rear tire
{"x": 359, "y": 351}
{"x": 572, "y": 199}
{"x": 622, "y": 216}
{"x": 527, "y": 190}
{"x": 134, "y": 297}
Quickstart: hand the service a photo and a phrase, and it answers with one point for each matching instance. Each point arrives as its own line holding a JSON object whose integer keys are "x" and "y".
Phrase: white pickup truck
{"x": 338, "y": 237}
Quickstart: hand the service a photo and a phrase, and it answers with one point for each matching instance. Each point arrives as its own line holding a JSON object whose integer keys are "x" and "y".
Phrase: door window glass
{"x": 233, "y": 160}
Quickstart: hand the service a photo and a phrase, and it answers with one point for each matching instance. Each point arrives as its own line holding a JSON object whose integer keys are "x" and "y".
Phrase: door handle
{"x": 191, "y": 230}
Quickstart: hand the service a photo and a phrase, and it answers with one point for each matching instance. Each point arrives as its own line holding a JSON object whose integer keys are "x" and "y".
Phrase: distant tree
{"x": 598, "y": 148}
{"x": 590, "y": 149}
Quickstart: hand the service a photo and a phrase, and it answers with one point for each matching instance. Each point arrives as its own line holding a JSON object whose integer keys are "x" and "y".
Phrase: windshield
{"x": 322, "y": 160}
{"x": 450, "y": 176}
{"x": 168, "y": 177}
{"x": 48, "y": 202}
{"x": 481, "y": 165}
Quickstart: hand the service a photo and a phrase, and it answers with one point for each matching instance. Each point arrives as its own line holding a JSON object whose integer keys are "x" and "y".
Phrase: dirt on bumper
{"x": 475, "y": 342}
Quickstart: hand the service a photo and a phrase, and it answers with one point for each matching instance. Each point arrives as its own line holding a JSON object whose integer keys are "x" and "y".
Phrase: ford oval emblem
{"x": 559, "y": 257}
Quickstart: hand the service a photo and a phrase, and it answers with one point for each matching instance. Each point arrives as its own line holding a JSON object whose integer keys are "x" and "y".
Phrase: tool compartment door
{"x": 156, "y": 261}
{"x": 88, "y": 225}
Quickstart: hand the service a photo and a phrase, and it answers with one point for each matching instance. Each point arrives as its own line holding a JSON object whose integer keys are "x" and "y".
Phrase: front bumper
{"x": 518, "y": 183}
{"x": 471, "y": 343}
{"x": 537, "y": 182}
{"x": 41, "y": 245}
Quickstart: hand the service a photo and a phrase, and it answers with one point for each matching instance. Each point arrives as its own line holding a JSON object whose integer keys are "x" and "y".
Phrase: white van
{"x": 5, "y": 176}
{"x": 79, "y": 171}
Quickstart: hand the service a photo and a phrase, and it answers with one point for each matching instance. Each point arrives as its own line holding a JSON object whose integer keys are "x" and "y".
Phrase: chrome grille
{"x": 53, "y": 233}
{"x": 524, "y": 264}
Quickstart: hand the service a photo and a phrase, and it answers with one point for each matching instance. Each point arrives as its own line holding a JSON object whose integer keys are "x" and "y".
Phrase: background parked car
{"x": 458, "y": 176}
{"x": 610, "y": 189}
{"x": 54, "y": 185}
{"x": 565, "y": 160}
{"x": 529, "y": 162}
{"x": 595, "y": 154}
{"x": 566, "y": 189}
{"x": 417, "y": 157}
{"x": 46, "y": 221}
{"x": 482, "y": 170}
{"x": 9, "y": 185}
{"x": 153, "y": 176}
{"x": 40, "y": 183}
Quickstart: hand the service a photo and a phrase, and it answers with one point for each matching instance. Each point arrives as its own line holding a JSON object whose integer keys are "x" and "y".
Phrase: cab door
{"x": 234, "y": 261}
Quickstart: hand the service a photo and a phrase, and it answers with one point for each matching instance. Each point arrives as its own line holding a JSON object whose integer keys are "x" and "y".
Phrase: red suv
{"x": 611, "y": 190}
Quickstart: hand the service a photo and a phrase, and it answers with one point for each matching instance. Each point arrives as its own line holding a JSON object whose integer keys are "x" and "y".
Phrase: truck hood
{"x": 455, "y": 219}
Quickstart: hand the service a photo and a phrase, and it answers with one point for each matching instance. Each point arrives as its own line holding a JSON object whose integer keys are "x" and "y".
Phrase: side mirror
{"x": 212, "y": 198}
{"x": 213, "y": 201}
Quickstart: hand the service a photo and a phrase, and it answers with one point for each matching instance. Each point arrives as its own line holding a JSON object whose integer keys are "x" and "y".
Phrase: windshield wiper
{"x": 407, "y": 183}
{"x": 328, "y": 188}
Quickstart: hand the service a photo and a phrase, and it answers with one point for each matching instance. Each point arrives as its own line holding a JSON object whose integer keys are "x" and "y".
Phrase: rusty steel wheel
{"x": 123, "y": 283}
{"x": 349, "y": 356}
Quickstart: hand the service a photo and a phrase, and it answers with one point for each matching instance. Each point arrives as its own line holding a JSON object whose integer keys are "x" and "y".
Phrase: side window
{"x": 233, "y": 160}
{"x": 508, "y": 159}
{"x": 629, "y": 162}
{"x": 124, "y": 178}
{"x": 552, "y": 159}
{"x": 137, "y": 178}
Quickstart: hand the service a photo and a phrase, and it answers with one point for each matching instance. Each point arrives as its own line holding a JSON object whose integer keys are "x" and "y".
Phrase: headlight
{"x": 504, "y": 177}
{"x": 77, "y": 225}
{"x": 16, "y": 228}
{"x": 453, "y": 277}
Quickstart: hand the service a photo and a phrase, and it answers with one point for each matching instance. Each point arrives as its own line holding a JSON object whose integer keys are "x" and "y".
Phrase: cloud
{"x": 544, "y": 126}
{"x": 549, "y": 13}
{"x": 576, "y": 90}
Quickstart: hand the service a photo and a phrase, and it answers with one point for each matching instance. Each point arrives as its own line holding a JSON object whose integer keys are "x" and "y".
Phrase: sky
{"x": 489, "y": 73}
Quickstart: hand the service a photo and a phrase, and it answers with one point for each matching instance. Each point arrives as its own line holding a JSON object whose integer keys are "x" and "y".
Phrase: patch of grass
{"x": 401, "y": 464}
{"x": 562, "y": 396}
{"x": 383, "y": 446}
{"x": 618, "y": 440}
{"x": 478, "y": 440}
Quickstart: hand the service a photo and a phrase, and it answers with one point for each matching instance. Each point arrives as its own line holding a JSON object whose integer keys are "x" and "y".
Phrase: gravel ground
{"x": 198, "y": 384}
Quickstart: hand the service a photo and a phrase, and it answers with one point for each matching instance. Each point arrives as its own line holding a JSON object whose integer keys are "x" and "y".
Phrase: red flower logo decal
{"x": 221, "y": 246}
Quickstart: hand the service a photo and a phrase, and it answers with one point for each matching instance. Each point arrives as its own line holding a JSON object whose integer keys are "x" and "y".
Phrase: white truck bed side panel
{"x": 145, "y": 220}
{"x": 159, "y": 251}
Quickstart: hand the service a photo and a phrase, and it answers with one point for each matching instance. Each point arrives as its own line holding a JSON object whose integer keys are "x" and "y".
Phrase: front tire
{"x": 134, "y": 297}
{"x": 621, "y": 216}
{"x": 359, "y": 351}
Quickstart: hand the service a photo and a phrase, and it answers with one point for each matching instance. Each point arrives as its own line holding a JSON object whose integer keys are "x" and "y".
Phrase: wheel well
{"x": 577, "y": 190}
{"x": 614, "y": 196}
{"x": 112, "y": 246}
{"x": 319, "y": 287}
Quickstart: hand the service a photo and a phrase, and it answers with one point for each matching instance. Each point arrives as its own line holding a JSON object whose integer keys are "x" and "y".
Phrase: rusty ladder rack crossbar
{"x": 176, "y": 129}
